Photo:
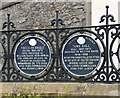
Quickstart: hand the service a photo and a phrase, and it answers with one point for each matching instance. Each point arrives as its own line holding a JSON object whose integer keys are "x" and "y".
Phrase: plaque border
{"x": 51, "y": 59}
{"x": 63, "y": 64}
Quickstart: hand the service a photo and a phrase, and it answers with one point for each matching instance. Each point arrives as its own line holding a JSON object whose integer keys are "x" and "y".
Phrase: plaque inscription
{"x": 80, "y": 55}
{"x": 32, "y": 55}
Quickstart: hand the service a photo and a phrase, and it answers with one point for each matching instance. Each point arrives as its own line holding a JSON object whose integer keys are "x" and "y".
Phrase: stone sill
{"x": 72, "y": 89}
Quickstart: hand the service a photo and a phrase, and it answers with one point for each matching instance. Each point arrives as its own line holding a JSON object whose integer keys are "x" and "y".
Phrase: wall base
{"x": 66, "y": 89}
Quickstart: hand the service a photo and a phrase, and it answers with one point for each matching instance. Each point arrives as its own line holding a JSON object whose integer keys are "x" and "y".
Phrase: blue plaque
{"x": 80, "y": 55}
{"x": 32, "y": 56}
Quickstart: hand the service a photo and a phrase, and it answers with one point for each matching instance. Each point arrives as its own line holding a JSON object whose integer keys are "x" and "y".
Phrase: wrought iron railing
{"x": 97, "y": 60}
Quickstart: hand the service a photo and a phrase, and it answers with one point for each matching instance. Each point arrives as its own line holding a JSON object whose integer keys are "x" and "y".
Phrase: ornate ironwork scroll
{"x": 73, "y": 54}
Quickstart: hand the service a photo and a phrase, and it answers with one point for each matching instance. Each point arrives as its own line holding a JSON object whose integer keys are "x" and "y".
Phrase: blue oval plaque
{"x": 32, "y": 55}
{"x": 80, "y": 55}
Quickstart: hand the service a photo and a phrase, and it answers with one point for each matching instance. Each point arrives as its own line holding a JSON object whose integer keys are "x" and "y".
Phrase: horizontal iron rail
{"x": 59, "y": 28}
{"x": 61, "y": 81}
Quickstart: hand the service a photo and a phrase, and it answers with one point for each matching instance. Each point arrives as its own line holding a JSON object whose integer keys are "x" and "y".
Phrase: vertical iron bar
{"x": 107, "y": 43}
{"x": 8, "y": 28}
{"x": 57, "y": 44}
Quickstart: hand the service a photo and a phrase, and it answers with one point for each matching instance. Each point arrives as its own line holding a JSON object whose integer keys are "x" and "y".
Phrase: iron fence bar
{"x": 7, "y": 25}
{"x": 72, "y": 81}
{"x": 8, "y": 35}
{"x": 56, "y": 22}
{"x": 106, "y": 18}
{"x": 57, "y": 44}
{"x": 17, "y": 30}
{"x": 107, "y": 43}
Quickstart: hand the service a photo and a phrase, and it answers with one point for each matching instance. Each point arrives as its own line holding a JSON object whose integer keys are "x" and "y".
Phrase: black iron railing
{"x": 105, "y": 38}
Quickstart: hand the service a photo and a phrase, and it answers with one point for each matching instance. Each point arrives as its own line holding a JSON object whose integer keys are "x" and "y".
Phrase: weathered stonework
{"x": 63, "y": 89}
{"x": 31, "y": 15}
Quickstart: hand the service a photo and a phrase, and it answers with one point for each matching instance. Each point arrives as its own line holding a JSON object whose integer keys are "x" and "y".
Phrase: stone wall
{"x": 62, "y": 89}
{"x": 31, "y": 15}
